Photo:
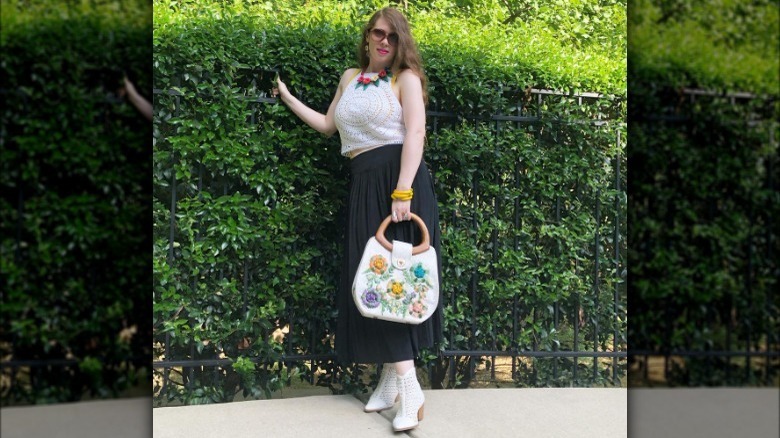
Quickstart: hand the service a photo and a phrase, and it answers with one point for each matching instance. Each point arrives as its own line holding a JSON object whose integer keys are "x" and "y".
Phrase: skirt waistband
{"x": 376, "y": 157}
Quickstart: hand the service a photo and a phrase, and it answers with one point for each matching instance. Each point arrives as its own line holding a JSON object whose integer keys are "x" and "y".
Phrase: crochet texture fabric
{"x": 370, "y": 116}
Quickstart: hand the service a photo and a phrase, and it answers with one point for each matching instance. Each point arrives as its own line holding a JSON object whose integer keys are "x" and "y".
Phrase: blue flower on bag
{"x": 420, "y": 271}
{"x": 370, "y": 298}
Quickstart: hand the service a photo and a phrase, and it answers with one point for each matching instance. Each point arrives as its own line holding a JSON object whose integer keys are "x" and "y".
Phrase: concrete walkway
{"x": 448, "y": 413}
{"x": 121, "y": 418}
{"x": 538, "y": 412}
{"x": 704, "y": 412}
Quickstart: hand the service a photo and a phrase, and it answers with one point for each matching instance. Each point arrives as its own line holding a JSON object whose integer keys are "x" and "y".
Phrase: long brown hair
{"x": 406, "y": 54}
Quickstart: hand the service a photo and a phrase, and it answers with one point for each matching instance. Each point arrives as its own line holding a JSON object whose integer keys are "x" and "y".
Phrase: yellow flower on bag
{"x": 395, "y": 289}
{"x": 378, "y": 264}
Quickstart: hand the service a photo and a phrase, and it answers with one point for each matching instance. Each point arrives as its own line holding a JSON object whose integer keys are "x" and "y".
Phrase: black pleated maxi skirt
{"x": 374, "y": 176}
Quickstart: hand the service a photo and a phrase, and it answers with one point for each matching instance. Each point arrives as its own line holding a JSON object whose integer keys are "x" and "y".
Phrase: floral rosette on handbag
{"x": 397, "y": 282}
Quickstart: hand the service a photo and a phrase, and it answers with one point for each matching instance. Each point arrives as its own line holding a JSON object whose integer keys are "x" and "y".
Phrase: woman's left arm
{"x": 411, "y": 92}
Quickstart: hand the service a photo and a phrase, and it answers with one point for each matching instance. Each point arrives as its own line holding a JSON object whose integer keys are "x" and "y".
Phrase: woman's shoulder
{"x": 408, "y": 72}
{"x": 350, "y": 73}
{"x": 347, "y": 76}
{"x": 408, "y": 75}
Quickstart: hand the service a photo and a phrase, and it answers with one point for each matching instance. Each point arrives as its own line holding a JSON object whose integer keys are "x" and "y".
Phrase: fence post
{"x": 769, "y": 246}
{"x": 596, "y": 284}
{"x": 615, "y": 310}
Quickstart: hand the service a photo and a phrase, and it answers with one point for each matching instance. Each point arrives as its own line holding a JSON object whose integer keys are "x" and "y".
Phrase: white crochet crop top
{"x": 369, "y": 116}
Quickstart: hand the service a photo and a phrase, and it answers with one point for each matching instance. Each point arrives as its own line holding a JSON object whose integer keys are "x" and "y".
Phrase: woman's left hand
{"x": 401, "y": 210}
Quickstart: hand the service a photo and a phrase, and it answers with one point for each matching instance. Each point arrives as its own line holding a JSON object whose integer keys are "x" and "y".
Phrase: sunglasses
{"x": 379, "y": 34}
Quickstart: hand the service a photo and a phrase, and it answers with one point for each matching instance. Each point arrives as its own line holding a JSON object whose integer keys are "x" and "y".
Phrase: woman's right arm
{"x": 324, "y": 123}
{"x": 138, "y": 101}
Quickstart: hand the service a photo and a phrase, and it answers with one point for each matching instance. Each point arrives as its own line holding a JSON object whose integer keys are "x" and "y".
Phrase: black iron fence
{"x": 542, "y": 345}
{"x": 53, "y": 350}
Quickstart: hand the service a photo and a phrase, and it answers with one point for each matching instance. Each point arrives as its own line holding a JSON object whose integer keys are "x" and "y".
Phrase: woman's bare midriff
{"x": 357, "y": 152}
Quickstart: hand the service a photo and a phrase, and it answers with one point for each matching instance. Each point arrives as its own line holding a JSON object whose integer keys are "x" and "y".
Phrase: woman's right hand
{"x": 323, "y": 123}
{"x": 280, "y": 89}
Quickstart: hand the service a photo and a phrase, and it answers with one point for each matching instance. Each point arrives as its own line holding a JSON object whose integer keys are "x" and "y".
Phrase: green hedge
{"x": 719, "y": 45}
{"x": 76, "y": 176}
{"x": 260, "y": 201}
{"x": 704, "y": 208}
{"x": 555, "y": 45}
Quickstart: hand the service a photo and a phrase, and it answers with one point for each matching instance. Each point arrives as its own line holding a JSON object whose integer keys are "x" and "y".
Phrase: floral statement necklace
{"x": 381, "y": 76}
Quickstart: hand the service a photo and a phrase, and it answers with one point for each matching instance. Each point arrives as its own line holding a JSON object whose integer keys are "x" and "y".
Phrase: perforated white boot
{"x": 386, "y": 392}
{"x": 412, "y": 400}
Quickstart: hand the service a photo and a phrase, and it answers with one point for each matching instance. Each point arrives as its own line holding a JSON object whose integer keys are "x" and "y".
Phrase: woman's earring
{"x": 366, "y": 47}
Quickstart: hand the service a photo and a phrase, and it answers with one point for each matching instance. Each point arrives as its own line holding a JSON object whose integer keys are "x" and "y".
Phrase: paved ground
{"x": 122, "y": 418}
{"x": 542, "y": 412}
{"x": 448, "y": 413}
{"x": 704, "y": 413}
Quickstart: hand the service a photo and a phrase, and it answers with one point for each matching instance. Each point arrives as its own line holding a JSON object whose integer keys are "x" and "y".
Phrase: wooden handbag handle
{"x": 422, "y": 247}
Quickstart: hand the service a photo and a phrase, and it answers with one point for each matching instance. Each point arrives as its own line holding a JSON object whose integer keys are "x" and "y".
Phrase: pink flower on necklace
{"x": 382, "y": 75}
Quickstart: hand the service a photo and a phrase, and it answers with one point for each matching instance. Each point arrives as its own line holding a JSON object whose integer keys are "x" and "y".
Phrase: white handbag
{"x": 397, "y": 282}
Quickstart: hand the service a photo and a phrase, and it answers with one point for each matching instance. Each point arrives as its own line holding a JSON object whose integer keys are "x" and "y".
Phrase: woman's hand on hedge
{"x": 280, "y": 89}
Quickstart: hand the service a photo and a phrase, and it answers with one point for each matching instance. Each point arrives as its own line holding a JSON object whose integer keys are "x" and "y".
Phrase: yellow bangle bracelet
{"x": 402, "y": 195}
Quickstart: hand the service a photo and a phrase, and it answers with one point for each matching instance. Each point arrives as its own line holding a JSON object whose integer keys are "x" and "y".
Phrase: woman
{"x": 379, "y": 112}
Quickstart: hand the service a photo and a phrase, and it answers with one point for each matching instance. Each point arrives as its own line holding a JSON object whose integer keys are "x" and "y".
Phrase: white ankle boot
{"x": 386, "y": 392}
{"x": 412, "y": 399}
